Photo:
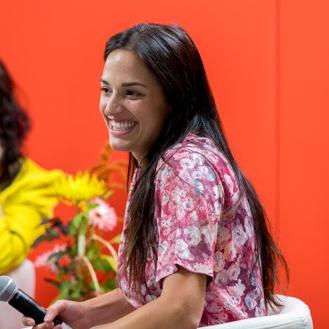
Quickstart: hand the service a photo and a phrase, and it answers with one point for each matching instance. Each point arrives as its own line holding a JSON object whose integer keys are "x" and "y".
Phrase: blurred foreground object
{"x": 24, "y": 276}
{"x": 27, "y": 194}
{"x": 84, "y": 259}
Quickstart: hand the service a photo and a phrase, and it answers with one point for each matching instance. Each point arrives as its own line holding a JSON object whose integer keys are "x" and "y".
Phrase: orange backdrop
{"x": 268, "y": 65}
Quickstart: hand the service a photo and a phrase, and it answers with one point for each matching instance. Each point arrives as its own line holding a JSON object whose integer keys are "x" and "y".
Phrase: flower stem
{"x": 81, "y": 245}
{"x": 107, "y": 245}
{"x": 92, "y": 273}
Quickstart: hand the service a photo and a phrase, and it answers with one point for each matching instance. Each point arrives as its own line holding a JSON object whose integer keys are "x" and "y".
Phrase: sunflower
{"x": 79, "y": 188}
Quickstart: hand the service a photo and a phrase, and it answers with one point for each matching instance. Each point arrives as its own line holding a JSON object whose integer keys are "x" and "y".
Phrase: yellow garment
{"x": 30, "y": 198}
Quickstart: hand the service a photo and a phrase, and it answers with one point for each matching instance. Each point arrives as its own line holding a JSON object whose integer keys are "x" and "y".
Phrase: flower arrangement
{"x": 84, "y": 260}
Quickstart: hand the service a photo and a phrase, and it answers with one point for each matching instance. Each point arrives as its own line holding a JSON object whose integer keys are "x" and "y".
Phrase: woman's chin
{"x": 118, "y": 145}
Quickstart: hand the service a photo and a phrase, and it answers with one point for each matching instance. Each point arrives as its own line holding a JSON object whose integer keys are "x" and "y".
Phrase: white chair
{"x": 24, "y": 277}
{"x": 294, "y": 314}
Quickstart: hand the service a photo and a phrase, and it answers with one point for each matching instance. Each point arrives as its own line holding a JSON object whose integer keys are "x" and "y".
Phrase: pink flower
{"x": 43, "y": 259}
{"x": 103, "y": 216}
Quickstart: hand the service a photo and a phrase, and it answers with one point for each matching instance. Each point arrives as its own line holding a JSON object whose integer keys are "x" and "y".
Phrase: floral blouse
{"x": 194, "y": 186}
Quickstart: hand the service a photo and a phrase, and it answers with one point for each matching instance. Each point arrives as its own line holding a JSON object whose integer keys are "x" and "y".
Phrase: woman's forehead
{"x": 126, "y": 66}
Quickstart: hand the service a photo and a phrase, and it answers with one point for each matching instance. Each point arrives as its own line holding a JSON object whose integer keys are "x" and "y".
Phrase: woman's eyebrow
{"x": 127, "y": 84}
{"x": 133, "y": 83}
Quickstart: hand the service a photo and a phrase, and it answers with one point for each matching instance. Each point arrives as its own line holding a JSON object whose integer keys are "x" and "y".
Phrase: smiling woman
{"x": 196, "y": 249}
{"x": 132, "y": 103}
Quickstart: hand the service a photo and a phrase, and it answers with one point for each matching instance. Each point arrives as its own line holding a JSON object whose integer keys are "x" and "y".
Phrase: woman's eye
{"x": 105, "y": 90}
{"x": 133, "y": 93}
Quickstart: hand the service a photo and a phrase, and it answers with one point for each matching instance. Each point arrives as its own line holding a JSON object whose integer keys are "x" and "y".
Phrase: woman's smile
{"x": 123, "y": 127}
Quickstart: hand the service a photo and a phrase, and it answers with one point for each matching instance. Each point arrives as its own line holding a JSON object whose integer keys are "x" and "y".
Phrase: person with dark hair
{"x": 196, "y": 249}
{"x": 26, "y": 189}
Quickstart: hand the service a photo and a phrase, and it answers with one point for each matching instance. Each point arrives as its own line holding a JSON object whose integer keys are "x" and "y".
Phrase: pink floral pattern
{"x": 194, "y": 187}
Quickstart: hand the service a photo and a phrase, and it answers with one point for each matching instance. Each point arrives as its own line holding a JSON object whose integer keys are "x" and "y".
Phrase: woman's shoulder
{"x": 194, "y": 150}
{"x": 196, "y": 158}
{"x": 32, "y": 176}
{"x": 31, "y": 167}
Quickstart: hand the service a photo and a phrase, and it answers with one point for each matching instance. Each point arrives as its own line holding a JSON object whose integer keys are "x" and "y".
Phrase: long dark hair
{"x": 14, "y": 124}
{"x": 172, "y": 57}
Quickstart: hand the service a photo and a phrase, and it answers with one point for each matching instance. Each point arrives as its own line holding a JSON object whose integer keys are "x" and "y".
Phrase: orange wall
{"x": 304, "y": 150}
{"x": 268, "y": 66}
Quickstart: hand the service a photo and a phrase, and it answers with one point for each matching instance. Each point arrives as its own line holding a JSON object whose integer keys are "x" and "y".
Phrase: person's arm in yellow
{"x": 23, "y": 205}
{"x": 18, "y": 228}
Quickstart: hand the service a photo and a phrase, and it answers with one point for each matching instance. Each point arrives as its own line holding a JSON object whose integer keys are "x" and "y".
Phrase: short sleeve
{"x": 188, "y": 207}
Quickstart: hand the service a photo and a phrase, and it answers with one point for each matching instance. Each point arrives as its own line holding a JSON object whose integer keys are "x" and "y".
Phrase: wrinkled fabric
{"x": 195, "y": 187}
{"x": 23, "y": 204}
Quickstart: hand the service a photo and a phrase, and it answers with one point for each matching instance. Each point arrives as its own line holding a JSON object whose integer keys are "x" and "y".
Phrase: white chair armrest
{"x": 24, "y": 277}
{"x": 294, "y": 314}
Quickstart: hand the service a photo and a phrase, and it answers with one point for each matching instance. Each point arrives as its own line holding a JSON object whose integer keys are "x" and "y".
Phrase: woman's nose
{"x": 112, "y": 106}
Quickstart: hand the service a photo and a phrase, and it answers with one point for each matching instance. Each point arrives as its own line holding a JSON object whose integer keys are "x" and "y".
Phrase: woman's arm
{"x": 84, "y": 315}
{"x": 18, "y": 223}
{"x": 24, "y": 203}
{"x": 107, "y": 308}
{"x": 179, "y": 306}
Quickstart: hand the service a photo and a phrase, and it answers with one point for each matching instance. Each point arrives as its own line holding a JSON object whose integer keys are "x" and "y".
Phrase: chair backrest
{"x": 24, "y": 276}
{"x": 294, "y": 314}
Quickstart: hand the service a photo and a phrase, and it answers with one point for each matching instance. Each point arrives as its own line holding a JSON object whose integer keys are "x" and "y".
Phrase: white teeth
{"x": 122, "y": 125}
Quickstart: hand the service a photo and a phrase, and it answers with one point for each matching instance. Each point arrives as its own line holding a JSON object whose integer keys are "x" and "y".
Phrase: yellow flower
{"x": 80, "y": 188}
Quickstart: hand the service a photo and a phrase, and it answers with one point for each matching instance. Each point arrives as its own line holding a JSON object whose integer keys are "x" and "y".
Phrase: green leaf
{"x": 64, "y": 290}
{"x": 100, "y": 265}
{"x": 72, "y": 251}
{"x": 116, "y": 239}
{"x": 92, "y": 253}
{"x": 92, "y": 206}
{"x": 76, "y": 294}
{"x": 55, "y": 256}
{"x": 111, "y": 284}
{"x": 84, "y": 224}
{"x": 75, "y": 223}
{"x": 110, "y": 261}
{"x": 53, "y": 282}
